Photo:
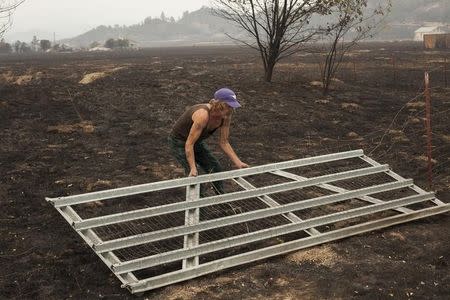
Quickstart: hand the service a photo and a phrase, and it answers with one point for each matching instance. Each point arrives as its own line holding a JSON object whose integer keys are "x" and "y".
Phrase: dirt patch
{"x": 321, "y": 255}
{"x": 222, "y": 280}
{"x": 7, "y": 77}
{"x": 99, "y": 185}
{"x": 416, "y": 120}
{"x": 10, "y": 78}
{"x": 423, "y": 160}
{"x": 91, "y": 77}
{"x": 85, "y": 127}
{"x": 397, "y": 235}
{"x": 316, "y": 84}
{"x": 353, "y": 135}
{"x": 281, "y": 281}
{"x": 398, "y": 136}
{"x": 415, "y": 105}
{"x": 445, "y": 137}
{"x": 24, "y": 79}
{"x": 322, "y": 101}
{"x": 184, "y": 292}
{"x": 352, "y": 107}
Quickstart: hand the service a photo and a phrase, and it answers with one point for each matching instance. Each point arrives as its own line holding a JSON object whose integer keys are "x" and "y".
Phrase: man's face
{"x": 227, "y": 110}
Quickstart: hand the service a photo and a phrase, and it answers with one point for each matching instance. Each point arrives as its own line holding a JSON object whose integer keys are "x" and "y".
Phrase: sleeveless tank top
{"x": 184, "y": 123}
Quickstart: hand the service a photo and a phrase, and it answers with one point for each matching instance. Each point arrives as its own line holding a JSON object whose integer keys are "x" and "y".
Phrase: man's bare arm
{"x": 200, "y": 121}
{"x": 226, "y": 146}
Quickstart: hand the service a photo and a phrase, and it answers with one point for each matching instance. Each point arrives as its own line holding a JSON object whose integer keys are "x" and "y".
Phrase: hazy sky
{"x": 70, "y": 18}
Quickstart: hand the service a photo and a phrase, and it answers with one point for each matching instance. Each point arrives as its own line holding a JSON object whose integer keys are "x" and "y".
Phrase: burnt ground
{"x": 60, "y": 137}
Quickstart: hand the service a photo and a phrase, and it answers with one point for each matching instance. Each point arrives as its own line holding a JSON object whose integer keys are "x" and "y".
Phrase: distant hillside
{"x": 202, "y": 26}
{"x": 418, "y": 11}
{"x": 408, "y": 15}
{"x": 195, "y": 27}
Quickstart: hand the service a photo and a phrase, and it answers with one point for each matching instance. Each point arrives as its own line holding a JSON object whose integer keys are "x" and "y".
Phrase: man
{"x": 199, "y": 122}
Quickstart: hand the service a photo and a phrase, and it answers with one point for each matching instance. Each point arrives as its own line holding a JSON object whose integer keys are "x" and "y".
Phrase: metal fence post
{"x": 394, "y": 67}
{"x": 445, "y": 73}
{"x": 428, "y": 128}
{"x": 192, "y": 217}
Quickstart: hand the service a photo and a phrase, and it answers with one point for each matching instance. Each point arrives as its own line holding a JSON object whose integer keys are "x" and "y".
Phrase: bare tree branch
{"x": 352, "y": 19}
{"x": 278, "y": 27}
{"x": 6, "y": 10}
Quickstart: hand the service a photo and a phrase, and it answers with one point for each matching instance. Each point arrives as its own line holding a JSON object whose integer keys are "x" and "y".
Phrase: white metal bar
{"x": 396, "y": 176}
{"x": 176, "y": 255}
{"x": 264, "y": 253}
{"x": 192, "y": 218}
{"x": 213, "y": 200}
{"x": 244, "y": 217}
{"x": 90, "y": 237}
{"x": 192, "y": 250}
{"x": 272, "y": 203}
{"x": 333, "y": 188}
{"x": 181, "y": 182}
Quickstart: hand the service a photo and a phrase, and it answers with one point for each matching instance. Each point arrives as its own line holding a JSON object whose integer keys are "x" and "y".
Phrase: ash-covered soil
{"x": 62, "y": 137}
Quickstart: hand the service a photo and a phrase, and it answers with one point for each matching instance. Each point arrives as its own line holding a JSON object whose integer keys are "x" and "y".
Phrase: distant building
{"x": 100, "y": 48}
{"x": 436, "y": 41}
{"x": 419, "y": 33}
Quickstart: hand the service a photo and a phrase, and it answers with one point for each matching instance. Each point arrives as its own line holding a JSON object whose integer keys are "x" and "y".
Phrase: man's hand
{"x": 193, "y": 172}
{"x": 241, "y": 165}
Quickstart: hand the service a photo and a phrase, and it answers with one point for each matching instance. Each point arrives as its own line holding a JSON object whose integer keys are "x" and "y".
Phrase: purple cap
{"x": 228, "y": 96}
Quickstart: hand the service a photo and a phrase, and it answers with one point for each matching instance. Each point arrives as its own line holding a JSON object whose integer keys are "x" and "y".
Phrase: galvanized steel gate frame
{"x": 191, "y": 251}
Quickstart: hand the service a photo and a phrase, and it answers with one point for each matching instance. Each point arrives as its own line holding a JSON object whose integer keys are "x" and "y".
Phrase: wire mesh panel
{"x": 156, "y": 234}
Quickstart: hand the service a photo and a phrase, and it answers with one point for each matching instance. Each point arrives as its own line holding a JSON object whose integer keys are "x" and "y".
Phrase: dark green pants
{"x": 203, "y": 158}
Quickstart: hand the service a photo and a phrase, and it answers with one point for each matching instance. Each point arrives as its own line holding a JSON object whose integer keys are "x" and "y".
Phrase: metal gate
{"x": 156, "y": 234}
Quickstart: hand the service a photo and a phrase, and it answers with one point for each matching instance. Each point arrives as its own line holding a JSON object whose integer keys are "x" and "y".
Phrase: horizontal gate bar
{"x": 244, "y": 217}
{"x": 213, "y": 200}
{"x": 396, "y": 176}
{"x": 339, "y": 189}
{"x": 271, "y": 202}
{"x": 177, "y": 255}
{"x": 264, "y": 253}
{"x": 167, "y": 184}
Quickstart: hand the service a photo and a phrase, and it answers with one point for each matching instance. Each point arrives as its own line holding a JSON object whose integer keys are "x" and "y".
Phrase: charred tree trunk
{"x": 268, "y": 72}
{"x": 329, "y": 68}
{"x": 270, "y": 60}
